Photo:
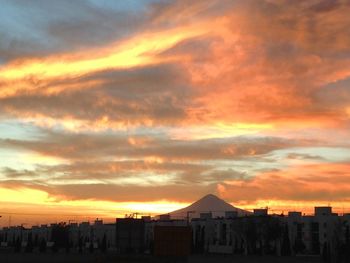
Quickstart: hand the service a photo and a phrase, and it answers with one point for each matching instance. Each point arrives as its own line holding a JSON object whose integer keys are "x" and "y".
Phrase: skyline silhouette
{"x": 205, "y": 230}
{"x": 115, "y": 107}
{"x": 207, "y": 204}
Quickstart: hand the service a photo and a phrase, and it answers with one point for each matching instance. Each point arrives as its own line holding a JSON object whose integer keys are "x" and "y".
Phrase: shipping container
{"x": 172, "y": 241}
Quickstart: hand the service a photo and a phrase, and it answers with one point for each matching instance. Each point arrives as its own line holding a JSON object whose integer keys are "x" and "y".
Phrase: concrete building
{"x": 259, "y": 233}
{"x": 260, "y": 212}
{"x": 313, "y": 234}
{"x": 130, "y": 235}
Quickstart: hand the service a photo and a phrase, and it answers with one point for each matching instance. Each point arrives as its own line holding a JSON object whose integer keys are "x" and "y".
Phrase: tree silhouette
{"x": 80, "y": 245}
{"x": 104, "y": 243}
{"x": 91, "y": 247}
{"x": 29, "y": 247}
{"x": 285, "y": 250}
{"x": 17, "y": 245}
{"x": 42, "y": 245}
{"x": 36, "y": 240}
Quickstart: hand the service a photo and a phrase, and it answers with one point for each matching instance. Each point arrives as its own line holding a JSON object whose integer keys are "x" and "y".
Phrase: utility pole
{"x": 188, "y": 216}
{"x": 22, "y": 231}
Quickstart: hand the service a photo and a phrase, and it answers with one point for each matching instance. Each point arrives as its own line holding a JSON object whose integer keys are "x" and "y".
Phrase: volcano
{"x": 209, "y": 203}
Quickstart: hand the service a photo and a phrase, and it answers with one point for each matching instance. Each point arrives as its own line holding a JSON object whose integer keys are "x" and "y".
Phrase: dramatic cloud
{"x": 132, "y": 101}
{"x": 313, "y": 183}
{"x": 79, "y": 146}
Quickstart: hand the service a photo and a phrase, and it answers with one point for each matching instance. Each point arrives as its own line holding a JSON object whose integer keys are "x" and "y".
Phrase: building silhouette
{"x": 325, "y": 233}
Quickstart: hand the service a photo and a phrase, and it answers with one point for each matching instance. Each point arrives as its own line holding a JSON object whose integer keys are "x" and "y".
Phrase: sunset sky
{"x": 112, "y": 107}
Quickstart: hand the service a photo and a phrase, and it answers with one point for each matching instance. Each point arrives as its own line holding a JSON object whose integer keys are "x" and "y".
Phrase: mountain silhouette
{"x": 208, "y": 203}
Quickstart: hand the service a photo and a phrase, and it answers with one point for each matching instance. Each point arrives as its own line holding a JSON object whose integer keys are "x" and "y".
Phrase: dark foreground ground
{"x": 113, "y": 258}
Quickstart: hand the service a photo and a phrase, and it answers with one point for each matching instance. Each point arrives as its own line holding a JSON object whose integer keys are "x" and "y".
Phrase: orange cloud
{"x": 268, "y": 64}
{"x": 140, "y": 50}
{"x": 241, "y": 69}
{"x": 299, "y": 186}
